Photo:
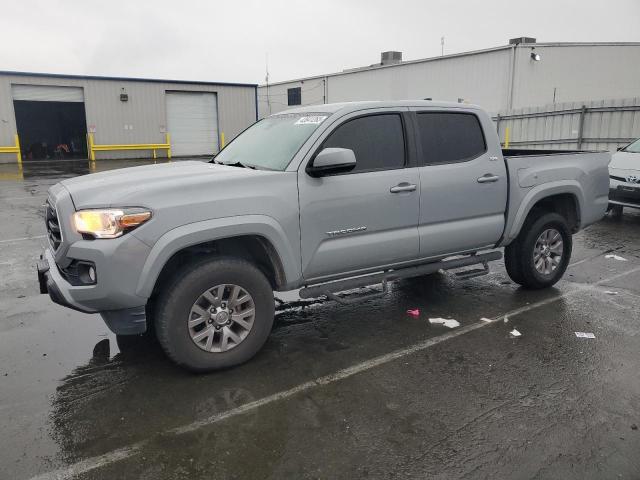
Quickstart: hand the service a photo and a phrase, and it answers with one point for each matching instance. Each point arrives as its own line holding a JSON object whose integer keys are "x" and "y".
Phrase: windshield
{"x": 271, "y": 143}
{"x": 633, "y": 148}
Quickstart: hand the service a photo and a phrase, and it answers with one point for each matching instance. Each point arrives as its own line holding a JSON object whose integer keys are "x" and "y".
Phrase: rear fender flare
{"x": 536, "y": 194}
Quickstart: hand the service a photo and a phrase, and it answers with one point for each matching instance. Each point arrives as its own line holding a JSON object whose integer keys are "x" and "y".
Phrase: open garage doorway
{"x": 51, "y": 121}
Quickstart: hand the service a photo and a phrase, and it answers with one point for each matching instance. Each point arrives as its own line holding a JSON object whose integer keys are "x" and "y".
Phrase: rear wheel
{"x": 540, "y": 255}
{"x": 215, "y": 314}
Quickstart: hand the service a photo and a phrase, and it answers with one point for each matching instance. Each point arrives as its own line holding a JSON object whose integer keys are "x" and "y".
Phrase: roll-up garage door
{"x": 47, "y": 93}
{"x": 192, "y": 122}
{"x": 51, "y": 121}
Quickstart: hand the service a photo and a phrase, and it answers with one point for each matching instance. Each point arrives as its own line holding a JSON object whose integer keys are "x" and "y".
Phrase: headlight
{"x": 109, "y": 223}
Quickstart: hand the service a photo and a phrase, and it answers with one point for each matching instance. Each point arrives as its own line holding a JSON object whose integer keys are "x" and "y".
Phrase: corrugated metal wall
{"x": 273, "y": 99}
{"x": 481, "y": 79}
{"x": 606, "y": 125}
{"x": 576, "y": 73}
{"x": 496, "y": 79}
{"x": 145, "y": 109}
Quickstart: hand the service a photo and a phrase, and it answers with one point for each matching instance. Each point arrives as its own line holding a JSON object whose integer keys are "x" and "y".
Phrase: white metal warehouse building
{"x": 54, "y": 115}
{"x": 500, "y": 78}
{"x": 507, "y": 80}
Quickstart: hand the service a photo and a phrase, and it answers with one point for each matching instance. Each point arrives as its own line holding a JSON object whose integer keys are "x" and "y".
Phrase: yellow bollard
{"x": 92, "y": 153}
{"x": 18, "y": 153}
{"x": 506, "y": 137}
{"x": 168, "y": 137}
{"x": 222, "y": 142}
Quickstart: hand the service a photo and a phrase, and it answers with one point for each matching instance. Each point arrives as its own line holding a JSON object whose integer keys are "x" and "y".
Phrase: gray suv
{"x": 321, "y": 199}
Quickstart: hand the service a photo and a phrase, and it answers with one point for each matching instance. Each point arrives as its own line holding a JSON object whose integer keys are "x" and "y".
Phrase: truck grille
{"x": 53, "y": 226}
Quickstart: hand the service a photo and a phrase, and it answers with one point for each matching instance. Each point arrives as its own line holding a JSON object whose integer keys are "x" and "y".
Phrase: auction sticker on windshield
{"x": 311, "y": 120}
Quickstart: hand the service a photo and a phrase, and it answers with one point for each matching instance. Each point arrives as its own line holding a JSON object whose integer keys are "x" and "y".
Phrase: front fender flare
{"x": 209, "y": 230}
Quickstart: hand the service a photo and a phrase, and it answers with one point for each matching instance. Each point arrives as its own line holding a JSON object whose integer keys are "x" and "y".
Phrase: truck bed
{"x": 534, "y": 174}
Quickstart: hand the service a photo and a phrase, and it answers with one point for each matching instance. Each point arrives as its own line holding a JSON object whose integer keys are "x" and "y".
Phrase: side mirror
{"x": 332, "y": 160}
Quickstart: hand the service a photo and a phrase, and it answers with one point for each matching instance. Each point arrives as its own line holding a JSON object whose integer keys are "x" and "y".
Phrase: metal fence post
{"x": 583, "y": 112}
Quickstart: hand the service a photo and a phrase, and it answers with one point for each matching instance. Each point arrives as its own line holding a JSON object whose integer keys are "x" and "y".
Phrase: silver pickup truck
{"x": 322, "y": 199}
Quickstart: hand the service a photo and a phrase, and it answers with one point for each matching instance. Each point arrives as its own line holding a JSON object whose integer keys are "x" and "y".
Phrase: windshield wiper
{"x": 236, "y": 164}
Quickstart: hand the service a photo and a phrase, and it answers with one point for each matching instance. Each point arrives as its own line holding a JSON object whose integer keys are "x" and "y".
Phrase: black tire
{"x": 178, "y": 295}
{"x": 512, "y": 263}
{"x": 519, "y": 260}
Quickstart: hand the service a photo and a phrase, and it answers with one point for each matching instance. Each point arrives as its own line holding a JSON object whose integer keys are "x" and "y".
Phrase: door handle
{"x": 488, "y": 178}
{"x": 403, "y": 187}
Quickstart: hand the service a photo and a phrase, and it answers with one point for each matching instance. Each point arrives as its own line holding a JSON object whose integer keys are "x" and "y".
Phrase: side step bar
{"x": 330, "y": 288}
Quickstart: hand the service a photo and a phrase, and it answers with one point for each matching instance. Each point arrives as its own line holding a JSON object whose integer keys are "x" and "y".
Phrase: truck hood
{"x": 135, "y": 186}
{"x": 625, "y": 161}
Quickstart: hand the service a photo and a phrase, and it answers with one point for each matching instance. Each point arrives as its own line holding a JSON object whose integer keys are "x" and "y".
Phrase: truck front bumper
{"x": 121, "y": 321}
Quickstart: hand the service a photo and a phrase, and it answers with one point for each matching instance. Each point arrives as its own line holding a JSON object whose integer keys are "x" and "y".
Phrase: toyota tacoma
{"x": 322, "y": 199}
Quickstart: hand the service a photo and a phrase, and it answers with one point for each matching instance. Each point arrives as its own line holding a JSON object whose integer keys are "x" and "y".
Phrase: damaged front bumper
{"x": 123, "y": 321}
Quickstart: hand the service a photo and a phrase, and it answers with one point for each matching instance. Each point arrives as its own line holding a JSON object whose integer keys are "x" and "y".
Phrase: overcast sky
{"x": 228, "y": 40}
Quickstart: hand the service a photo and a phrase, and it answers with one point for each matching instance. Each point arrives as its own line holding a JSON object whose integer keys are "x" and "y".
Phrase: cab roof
{"x": 347, "y": 107}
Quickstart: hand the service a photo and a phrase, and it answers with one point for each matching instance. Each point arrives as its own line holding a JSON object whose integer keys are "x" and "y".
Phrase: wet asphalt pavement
{"x": 362, "y": 391}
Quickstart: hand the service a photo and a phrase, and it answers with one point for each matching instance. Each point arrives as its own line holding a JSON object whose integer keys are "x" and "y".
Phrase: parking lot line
{"x": 36, "y": 237}
{"x": 91, "y": 463}
{"x": 39, "y": 197}
{"x": 131, "y": 450}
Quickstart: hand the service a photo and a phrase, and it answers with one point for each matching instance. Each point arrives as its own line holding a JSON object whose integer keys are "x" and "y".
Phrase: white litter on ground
{"x": 616, "y": 257}
{"x": 447, "y": 322}
{"x": 506, "y": 319}
{"x": 515, "y": 333}
{"x": 610, "y": 292}
{"x": 585, "y": 335}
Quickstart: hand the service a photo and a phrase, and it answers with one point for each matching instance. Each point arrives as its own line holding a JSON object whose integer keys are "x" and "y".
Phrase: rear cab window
{"x": 449, "y": 137}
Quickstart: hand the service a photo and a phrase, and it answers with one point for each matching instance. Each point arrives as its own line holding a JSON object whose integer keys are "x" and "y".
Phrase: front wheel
{"x": 215, "y": 314}
{"x": 540, "y": 254}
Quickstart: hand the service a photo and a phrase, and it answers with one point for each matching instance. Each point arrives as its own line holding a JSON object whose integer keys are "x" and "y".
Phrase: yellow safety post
{"x": 168, "y": 140}
{"x": 92, "y": 152}
{"x": 222, "y": 142}
{"x": 506, "y": 137}
{"x": 18, "y": 153}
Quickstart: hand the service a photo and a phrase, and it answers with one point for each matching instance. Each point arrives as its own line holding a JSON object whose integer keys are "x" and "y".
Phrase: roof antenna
{"x": 266, "y": 80}
{"x": 442, "y": 46}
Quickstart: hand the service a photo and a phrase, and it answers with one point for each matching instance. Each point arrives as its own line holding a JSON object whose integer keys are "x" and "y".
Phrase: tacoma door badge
{"x": 346, "y": 231}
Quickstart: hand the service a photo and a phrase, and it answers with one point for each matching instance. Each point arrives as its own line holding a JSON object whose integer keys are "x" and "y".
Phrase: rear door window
{"x": 376, "y": 140}
{"x": 450, "y": 137}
